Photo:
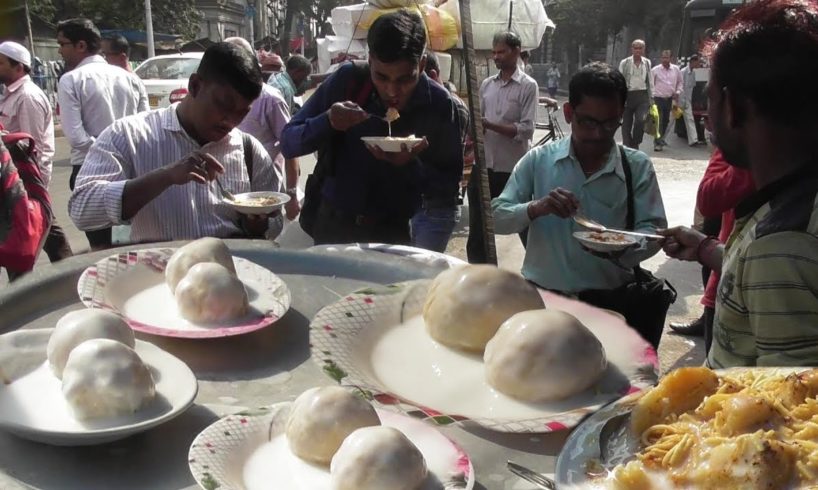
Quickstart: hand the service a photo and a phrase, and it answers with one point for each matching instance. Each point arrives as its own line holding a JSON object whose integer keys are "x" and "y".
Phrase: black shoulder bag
{"x": 643, "y": 302}
{"x": 357, "y": 91}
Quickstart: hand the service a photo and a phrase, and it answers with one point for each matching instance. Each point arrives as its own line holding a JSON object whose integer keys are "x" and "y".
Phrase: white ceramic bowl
{"x": 244, "y": 202}
{"x": 391, "y": 145}
{"x": 587, "y": 238}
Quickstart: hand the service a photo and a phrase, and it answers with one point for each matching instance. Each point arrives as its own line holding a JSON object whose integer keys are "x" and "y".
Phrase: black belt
{"x": 350, "y": 217}
{"x": 440, "y": 202}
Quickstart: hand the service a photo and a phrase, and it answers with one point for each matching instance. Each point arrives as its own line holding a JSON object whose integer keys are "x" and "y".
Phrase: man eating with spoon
{"x": 155, "y": 170}
{"x": 588, "y": 173}
{"x": 367, "y": 194}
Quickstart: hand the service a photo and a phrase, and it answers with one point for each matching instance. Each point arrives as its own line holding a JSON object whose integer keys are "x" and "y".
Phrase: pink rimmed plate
{"x": 375, "y": 339}
{"x": 132, "y": 284}
{"x": 249, "y": 451}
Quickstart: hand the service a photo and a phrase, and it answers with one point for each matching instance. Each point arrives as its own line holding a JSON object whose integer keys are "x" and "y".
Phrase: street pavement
{"x": 679, "y": 169}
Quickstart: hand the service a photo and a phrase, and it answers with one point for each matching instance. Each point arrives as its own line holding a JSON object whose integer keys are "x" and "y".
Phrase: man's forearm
{"x": 507, "y": 130}
{"x": 292, "y": 170}
{"x": 710, "y": 254}
{"x": 143, "y": 189}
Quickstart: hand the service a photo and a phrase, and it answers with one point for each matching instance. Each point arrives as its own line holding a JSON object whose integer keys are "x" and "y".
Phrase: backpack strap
{"x": 247, "y": 146}
{"x": 630, "y": 221}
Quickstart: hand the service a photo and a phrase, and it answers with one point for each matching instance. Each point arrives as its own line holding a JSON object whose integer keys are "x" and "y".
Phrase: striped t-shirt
{"x": 767, "y": 305}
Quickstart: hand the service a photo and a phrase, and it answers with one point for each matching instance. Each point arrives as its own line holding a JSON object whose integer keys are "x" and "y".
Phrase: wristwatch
{"x": 292, "y": 191}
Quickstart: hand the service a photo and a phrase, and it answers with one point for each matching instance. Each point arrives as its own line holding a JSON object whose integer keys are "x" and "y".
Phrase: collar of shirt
{"x": 91, "y": 59}
{"x": 10, "y": 89}
{"x": 564, "y": 153}
{"x": 764, "y": 195}
{"x": 284, "y": 77}
{"x": 171, "y": 122}
{"x": 517, "y": 76}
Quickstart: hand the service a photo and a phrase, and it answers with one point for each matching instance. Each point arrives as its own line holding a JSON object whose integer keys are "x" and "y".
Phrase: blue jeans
{"x": 432, "y": 228}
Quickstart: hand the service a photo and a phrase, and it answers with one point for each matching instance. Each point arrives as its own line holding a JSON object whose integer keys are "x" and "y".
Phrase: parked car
{"x": 166, "y": 76}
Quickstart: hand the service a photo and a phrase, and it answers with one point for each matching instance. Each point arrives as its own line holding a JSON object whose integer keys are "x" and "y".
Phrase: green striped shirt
{"x": 767, "y": 306}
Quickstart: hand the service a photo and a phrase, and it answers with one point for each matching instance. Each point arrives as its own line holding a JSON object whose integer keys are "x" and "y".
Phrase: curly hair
{"x": 767, "y": 52}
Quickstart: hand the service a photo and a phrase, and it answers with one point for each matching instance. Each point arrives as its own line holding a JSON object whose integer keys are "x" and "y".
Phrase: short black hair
{"x": 748, "y": 59}
{"x": 397, "y": 36}
{"x": 15, "y": 63}
{"x": 597, "y": 80}
{"x": 81, "y": 29}
{"x": 298, "y": 62}
{"x": 509, "y": 38}
{"x": 119, "y": 44}
{"x": 525, "y": 55}
{"x": 232, "y": 65}
{"x": 432, "y": 62}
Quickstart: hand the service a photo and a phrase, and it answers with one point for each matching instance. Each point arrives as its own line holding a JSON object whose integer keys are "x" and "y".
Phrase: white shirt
{"x": 138, "y": 144}
{"x": 91, "y": 97}
{"x": 508, "y": 102}
{"x": 636, "y": 76}
{"x": 26, "y": 109}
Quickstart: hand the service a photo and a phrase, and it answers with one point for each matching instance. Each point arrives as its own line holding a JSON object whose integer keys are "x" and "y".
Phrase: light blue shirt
{"x": 285, "y": 85}
{"x": 554, "y": 259}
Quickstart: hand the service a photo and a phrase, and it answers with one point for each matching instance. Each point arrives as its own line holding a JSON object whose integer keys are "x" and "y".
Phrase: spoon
{"x": 593, "y": 225}
{"x": 531, "y": 476}
{"x": 227, "y": 195}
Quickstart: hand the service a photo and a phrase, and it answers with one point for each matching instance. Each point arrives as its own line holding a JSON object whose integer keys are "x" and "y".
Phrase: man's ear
{"x": 82, "y": 46}
{"x": 194, "y": 84}
{"x": 422, "y": 64}
{"x": 568, "y": 112}
{"x": 735, "y": 109}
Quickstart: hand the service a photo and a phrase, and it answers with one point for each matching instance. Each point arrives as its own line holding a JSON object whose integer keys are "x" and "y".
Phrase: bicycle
{"x": 552, "y": 126}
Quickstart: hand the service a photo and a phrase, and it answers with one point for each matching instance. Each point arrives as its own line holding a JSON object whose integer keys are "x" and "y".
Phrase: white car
{"x": 166, "y": 76}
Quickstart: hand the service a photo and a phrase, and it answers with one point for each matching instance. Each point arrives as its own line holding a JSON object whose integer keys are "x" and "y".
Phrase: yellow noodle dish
{"x": 742, "y": 429}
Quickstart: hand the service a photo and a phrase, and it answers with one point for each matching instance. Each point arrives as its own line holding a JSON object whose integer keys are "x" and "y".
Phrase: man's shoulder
{"x": 146, "y": 123}
{"x": 272, "y": 93}
{"x": 528, "y": 80}
{"x": 637, "y": 159}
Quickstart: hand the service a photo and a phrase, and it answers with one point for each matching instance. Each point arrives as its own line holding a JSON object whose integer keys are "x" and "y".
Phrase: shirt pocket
{"x": 514, "y": 109}
{"x": 608, "y": 208}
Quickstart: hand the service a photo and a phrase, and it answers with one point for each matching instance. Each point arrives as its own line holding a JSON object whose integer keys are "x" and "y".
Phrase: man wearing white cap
{"x": 24, "y": 108}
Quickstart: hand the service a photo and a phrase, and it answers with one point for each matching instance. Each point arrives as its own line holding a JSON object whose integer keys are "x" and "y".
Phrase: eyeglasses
{"x": 609, "y": 126}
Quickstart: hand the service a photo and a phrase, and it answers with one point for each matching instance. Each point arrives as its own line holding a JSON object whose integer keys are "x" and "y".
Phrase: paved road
{"x": 679, "y": 169}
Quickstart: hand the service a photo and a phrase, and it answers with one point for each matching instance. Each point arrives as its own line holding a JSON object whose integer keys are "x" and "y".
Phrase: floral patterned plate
{"x": 249, "y": 451}
{"x": 375, "y": 339}
{"x": 132, "y": 284}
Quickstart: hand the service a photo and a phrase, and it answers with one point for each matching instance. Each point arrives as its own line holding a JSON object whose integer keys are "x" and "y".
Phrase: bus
{"x": 701, "y": 18}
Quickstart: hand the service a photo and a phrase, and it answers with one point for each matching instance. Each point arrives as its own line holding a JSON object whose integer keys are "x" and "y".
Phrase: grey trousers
{"x": 633, "y": 121}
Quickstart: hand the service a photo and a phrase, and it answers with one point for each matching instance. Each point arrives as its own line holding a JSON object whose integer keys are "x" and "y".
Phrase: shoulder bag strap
{"x": 247, "y": 145}
{"x": 630, "y": 220}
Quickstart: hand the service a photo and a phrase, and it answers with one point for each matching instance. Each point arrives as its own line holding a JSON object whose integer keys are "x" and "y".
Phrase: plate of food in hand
{"x": 88, "y": 381}
{"x": 605, "y": 241}
{"x": 750, "y": 428}
{"x": 196, "y": 291}
{"x": 392, "y": 144}
{"x": 329, "y": 438}
{"x": 480, "y": 344}
{"x": 258, "y": 203}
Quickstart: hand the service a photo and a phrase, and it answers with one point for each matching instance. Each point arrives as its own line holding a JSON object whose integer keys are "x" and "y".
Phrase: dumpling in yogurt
{"x": 209, "y": 293}
{"x": 202, "y": 250}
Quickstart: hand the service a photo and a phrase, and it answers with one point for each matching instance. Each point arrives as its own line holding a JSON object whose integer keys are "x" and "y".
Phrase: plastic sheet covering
{"x": 528, "y": 19}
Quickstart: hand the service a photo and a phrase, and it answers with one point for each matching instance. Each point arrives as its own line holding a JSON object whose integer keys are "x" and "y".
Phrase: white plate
{"x": 132, "y": 284}
{"x": 586, "y": 238}
{"x": 393, "y": 144}
{"x": 249, "y": 451}
{"x": 254, "y": 209}
{"x": 32, "y": 405}
{"x": 375, "y": 339}
{"x": 582, "y": 447}
{"x": 424, "y": 256}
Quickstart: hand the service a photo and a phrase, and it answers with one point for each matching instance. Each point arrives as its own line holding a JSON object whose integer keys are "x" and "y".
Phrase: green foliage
{"x": 169, "y": 16}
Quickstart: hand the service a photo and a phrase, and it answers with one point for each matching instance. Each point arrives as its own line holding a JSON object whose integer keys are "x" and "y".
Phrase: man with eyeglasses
{"x": 585, "y": 174}
{"x": 92, "y": 95}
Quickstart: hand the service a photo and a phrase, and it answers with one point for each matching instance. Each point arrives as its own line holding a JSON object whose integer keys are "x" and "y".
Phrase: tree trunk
{"x": 286, "y": 31}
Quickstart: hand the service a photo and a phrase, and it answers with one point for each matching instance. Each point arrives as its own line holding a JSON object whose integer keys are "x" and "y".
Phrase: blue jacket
{"x": 360, "y": 183}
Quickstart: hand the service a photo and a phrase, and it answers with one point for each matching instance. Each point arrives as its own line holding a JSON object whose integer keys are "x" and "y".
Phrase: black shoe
{"x": 694, "y": 328}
